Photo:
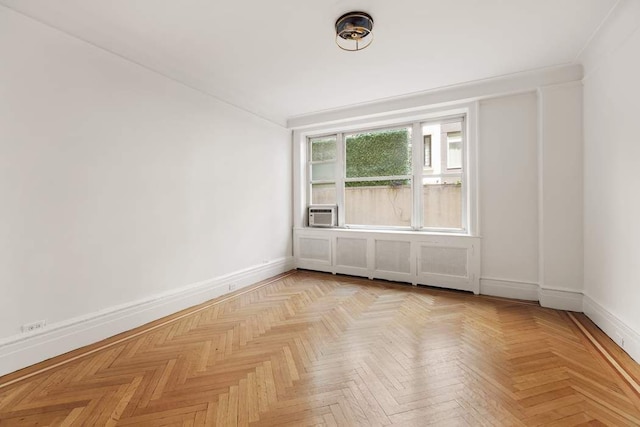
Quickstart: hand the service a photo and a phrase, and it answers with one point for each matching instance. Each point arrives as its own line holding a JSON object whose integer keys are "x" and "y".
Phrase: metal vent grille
{"x": 351, "y": 252}
{"x": 445, "y": 261}
{"x": 393, "y": 256}
{"x": 315, "y": 249}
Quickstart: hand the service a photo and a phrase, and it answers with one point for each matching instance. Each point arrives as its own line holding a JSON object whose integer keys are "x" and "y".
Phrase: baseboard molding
{"x": 509, "y": 289}
{"x": 20, "y": 351}
{"x": 616, "y": 329}
{"x": 561, "y": 299}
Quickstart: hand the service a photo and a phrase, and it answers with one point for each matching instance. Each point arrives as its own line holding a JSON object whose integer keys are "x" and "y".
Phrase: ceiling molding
{"x": 276, "y": 120}
{"x": 481, "y": 89}
{"x": 278, "y": 76}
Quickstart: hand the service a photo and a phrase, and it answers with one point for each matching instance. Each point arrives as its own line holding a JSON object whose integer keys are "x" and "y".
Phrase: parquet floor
{"x": 317, "y": 349}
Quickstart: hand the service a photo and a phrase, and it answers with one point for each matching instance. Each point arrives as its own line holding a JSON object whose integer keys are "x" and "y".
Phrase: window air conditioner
{"x": 322, "y": 215}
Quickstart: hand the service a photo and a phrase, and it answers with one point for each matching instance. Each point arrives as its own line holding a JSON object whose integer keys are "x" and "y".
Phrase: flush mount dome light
{"x": 353, "y": 31}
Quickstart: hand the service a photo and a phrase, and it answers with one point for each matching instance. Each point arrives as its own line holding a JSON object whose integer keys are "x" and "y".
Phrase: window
{"x": 442, "y": 190}
{"x": 322, "y": 168}
{"x": 410, "y": 176}
{"x": 427, "y": 151}
{"x": 378, "y": 178}
{"x": 454, "y": 150}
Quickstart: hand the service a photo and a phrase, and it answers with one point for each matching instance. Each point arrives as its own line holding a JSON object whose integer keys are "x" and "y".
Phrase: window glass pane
{"x": 443, "y": 202}
{"x": 427, "y": 151}
{"x": 379, "y": 153}
{"x": 323, "y": 148}
{"x": 323, "y": 194}
{"x": 378, "y": 203}
{"x": 432, "y": 136}
{"x": 323, "y": 171}
{"x": 454, "y": 154}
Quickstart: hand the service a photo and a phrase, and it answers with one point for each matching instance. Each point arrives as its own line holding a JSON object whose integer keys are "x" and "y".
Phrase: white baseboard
{"x": 20, "y": 351}
{"x": 615, "y": 328}
{"x": 561, "y": 299}
{"x": 509, "y": 289}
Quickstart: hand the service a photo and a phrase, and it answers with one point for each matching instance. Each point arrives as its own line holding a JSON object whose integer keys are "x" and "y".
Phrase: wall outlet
{"x": 232, "y": 286}
{"x": 35, "y": 326}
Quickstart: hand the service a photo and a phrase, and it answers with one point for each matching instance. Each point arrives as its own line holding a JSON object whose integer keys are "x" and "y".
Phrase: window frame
{"x": 310, "y": 162}
{"x": 447, "y": 147}
{"x": 410, "y": 176}
{"x": 416, "y": 118}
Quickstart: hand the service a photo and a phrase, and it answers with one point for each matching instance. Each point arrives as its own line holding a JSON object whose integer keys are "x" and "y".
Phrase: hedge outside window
{"x": 378, "y": 178}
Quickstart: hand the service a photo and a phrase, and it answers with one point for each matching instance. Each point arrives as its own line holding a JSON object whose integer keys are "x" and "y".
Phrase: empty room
{"x": 332, "y": 213}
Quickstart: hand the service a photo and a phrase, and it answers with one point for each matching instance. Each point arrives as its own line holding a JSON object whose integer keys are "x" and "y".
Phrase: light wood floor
{"x": 317, "y": 349}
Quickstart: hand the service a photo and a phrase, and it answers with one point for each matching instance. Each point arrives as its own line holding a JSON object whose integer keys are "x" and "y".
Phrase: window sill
{"x": 387, "y": 231}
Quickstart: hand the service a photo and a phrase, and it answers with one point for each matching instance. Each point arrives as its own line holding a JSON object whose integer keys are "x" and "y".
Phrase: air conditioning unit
{"x": 323, "y": 215}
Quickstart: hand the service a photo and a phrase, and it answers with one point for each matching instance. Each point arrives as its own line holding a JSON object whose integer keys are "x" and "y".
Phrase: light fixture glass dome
{"x": 354, "y": 31}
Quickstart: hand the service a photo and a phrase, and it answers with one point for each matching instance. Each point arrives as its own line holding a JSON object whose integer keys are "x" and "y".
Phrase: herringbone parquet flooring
{"x": 317, "y": 349}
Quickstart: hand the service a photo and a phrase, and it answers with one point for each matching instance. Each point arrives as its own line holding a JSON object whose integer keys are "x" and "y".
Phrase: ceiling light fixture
{"x": 354, "y": 31}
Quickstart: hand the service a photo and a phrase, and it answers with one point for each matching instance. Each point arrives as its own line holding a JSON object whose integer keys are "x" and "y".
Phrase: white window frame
{"x": 343, "y": 149}
{"x": 445, "y": 173}
{"x": 416, "y": 119}
{"x": 446, "y": 148}
{"x": 310, "y": 164}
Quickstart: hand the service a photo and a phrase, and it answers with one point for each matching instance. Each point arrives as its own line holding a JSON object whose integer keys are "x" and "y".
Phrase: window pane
{"x": 427, "y": 151}
{"x": 379, "y": 153}
{"x": 454, "y": 154}
{"x": 323, "y": 194}
{"x": 443, "y": 203}
{"x": 323, "y": 148}
{"x": 432, "y": 136}
{"x": 378, "y": 203}
{"x": 323, "y": 171}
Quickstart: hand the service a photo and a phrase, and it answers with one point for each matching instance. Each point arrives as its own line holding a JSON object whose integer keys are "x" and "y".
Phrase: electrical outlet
{"x": 232, "y": 286}
{"x": 35, "y": 326}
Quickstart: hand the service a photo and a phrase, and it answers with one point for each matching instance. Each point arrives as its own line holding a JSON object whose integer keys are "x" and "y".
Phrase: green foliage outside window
{"x": 323, "y": 149}
{"x": 386, "y": 153}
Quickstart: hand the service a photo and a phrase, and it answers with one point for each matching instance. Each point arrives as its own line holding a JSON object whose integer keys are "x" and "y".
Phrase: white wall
{"x": 117, "y": 184}
{"x": 530, "y": 179}
{"x": 560, "y": 187}
{"x": 530, "y": 154}
{"x": 612, "y": 175}
{"x": 507, "y": 148}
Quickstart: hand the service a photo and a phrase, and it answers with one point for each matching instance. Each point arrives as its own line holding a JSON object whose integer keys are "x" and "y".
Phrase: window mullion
{"x": 340, "y": 172}
{"x": 417, "y": 164}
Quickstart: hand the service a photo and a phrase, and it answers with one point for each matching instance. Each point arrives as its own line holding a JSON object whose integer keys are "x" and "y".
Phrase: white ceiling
{"x": 278, "y": 59}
